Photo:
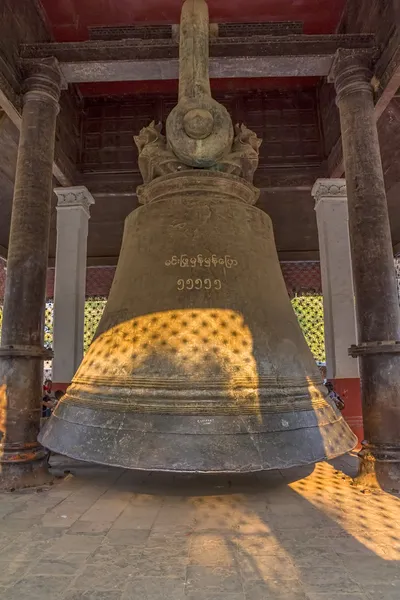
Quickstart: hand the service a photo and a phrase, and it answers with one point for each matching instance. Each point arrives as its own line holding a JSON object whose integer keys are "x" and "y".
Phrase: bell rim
{"x": 198, "y": 454}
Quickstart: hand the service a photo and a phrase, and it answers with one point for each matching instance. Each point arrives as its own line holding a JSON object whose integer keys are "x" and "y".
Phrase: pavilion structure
{"x": 319, "y": 86}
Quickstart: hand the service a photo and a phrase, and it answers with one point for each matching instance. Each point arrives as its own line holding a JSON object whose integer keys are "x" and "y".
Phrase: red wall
{"x": 300, "y": 277}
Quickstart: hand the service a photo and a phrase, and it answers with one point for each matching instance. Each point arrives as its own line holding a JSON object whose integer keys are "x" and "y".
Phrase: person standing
{"x": 47, "y": 402}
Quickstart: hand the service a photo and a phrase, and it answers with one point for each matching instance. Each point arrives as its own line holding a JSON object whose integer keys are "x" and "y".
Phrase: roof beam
{"x": 146, "y": 60}
{"x": 220, "y": 68}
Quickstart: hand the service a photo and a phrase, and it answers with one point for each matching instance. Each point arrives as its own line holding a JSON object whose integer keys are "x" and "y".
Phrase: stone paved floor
{"x": 108, "y": 534}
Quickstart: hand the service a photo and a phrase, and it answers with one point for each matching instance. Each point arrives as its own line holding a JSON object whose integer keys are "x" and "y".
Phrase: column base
{"x": 15, "y": 476}
{"x": 379, "y": 467}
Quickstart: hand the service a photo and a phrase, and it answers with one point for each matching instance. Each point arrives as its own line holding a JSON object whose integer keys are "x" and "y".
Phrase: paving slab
{"x": 99, "y": 533}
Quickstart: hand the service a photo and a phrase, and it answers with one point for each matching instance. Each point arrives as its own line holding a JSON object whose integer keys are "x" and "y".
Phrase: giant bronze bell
{"x": 198, "y": 363}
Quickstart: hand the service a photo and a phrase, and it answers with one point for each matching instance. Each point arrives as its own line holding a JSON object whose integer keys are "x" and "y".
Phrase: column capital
{"x": 43, "y": 79}
{"x": 74, "y": 197}
{"x": 332, "y": 189}
{"x": 351, "y": 72}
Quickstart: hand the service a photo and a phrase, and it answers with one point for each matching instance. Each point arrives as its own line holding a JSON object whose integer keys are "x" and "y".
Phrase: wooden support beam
{"x": 335, "y": 160}
{"x": 386, "y": 83}
{"x": 10, "y": 103}
{"x": 220, "y": 68}
{"x": 10, "y": 100}
{"x": 15, "y": 117}
{"x": 396, "y": 249}
{"x": 146, "y": 60}
{"x": 387, "y": 74}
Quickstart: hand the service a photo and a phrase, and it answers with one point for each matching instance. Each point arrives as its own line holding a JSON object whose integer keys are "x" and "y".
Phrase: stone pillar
{"x": 338, "y": 293}
{"x": 378, "y": 313}
{"x": 22, "y": 459}
{"x": 70, "y": 281}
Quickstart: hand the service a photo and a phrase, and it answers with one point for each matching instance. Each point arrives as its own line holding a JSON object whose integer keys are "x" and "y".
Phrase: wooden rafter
{"x": 145, "y": 60}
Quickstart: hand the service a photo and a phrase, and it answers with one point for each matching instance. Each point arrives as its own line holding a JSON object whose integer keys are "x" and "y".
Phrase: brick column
{"x": 22, "y": 459}
{"x": 70, "y": 282}
{"x": 338, "y": 293}
{"x": 378, "y": 313}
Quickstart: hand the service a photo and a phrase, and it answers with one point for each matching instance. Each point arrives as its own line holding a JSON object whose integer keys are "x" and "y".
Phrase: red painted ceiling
{"x": 70, "y": 19}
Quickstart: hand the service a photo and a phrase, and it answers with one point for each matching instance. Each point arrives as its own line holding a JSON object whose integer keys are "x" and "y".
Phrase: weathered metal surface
{"x": 198, "y": 368}
{"x": 199, "y": 363}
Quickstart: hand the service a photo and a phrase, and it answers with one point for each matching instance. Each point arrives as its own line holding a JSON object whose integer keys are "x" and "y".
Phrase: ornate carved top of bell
{"x": 198, "y": 363}
{"x": 199, "y": 129}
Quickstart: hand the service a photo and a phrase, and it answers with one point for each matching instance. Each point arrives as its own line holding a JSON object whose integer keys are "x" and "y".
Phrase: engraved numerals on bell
{"x": 198, "y": 284}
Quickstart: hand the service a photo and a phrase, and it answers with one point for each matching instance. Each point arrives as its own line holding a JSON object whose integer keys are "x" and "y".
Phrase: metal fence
{"x": 310, "y": 313}
{"x": 307, "y": 306}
